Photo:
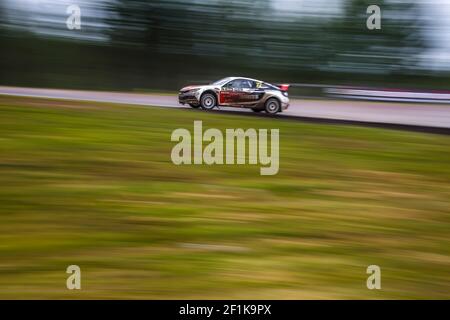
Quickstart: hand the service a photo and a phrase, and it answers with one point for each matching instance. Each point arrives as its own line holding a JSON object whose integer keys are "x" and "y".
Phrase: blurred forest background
{"x": 164, "y": 44}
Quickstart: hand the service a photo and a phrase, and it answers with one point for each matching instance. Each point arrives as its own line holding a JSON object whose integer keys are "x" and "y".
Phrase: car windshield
{"x": 221, "y": 81}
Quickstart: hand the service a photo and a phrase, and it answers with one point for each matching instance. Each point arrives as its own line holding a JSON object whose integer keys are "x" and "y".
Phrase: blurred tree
{"x": 2, "y": 18}
{"x": 353, "y": 48}
{"x": 167, "y": 43}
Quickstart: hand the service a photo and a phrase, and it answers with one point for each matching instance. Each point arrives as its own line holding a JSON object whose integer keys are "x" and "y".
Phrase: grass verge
{"x": 93, "y": 185}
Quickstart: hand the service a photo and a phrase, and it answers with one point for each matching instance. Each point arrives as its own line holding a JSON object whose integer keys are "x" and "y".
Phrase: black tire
{"x": 194, "y": 105}
{"x": 208, "y": 101}
{"x": 256, "y": 110}
{"x": 272, "y": 106}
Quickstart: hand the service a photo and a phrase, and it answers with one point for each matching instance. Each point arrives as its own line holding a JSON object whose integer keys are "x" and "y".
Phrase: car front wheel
{"x": 208, "y": 101}
{"x": 272, "y": 106}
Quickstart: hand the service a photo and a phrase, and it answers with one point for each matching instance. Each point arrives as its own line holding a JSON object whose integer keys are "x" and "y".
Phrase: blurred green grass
{"x": 93, "y": 185}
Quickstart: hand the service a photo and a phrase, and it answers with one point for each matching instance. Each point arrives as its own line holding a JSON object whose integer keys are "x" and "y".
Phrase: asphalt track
{"x": 425, "y": 117}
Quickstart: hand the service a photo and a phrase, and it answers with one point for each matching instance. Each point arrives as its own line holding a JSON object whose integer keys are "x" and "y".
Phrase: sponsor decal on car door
{"x": 251, "y": 95}
{"x": 230, "y": 93}
{"x": 229, "y": 96}
{"x": 251, "y": 92}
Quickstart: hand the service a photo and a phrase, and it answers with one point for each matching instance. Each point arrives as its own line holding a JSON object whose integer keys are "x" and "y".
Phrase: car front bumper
{"x": 190, "y": 98}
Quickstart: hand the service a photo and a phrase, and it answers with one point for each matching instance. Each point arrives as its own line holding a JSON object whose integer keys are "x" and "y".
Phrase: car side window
{"x": 234, "y": 84}
{"x": 239, "y": 84}
{"x": 248, "y": 84}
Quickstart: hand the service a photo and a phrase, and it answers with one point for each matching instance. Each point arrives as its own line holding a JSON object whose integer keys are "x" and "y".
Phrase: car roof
{"x": 245, "y": 78}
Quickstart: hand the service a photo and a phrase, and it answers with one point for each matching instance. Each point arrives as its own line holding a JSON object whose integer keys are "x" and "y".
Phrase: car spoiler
{"x": 284, "y": 87}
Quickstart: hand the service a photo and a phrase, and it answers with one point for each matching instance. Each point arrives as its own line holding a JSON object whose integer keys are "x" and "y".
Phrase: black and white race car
{"x": 237, "y": 92}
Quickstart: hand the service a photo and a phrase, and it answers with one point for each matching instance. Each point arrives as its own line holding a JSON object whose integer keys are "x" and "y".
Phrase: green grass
{"x": 93, "y": 185}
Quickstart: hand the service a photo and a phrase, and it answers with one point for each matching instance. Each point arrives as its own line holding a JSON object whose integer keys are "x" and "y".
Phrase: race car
{"x": 237, "y": 92}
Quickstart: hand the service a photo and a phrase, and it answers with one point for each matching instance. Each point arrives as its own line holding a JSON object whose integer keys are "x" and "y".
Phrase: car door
{"x": 230, "y": 93}
{"x": 251, "y": 92}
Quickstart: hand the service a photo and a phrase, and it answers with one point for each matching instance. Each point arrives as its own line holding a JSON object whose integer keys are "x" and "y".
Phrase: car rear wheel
{"x": 194, "y": 105}
{"x": 208, "y": 101}
{"x": 272, "y": 106}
